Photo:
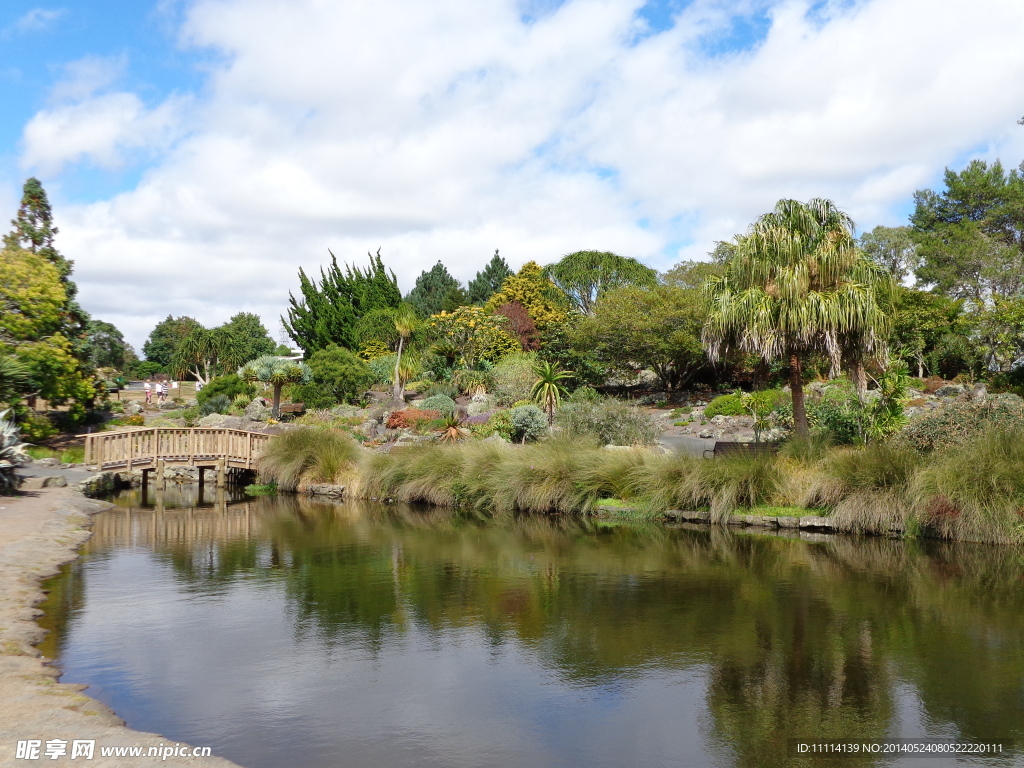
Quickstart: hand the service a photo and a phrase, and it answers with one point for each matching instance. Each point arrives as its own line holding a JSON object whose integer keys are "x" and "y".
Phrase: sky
{"x": 197, "y": 153}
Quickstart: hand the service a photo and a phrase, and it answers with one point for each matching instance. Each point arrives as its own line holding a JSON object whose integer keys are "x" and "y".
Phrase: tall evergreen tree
{"x": 432, "y": 289}
{"x": 34, "y": 231}
{"x": 165, "y": 338}
{"x": 328, "y": 311}
{"x": 488, "y": 280}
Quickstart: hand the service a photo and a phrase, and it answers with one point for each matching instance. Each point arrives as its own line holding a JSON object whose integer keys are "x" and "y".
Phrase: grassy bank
{"x": 974, "y": 492}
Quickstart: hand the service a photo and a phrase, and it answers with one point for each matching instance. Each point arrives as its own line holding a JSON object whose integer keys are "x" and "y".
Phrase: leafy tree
{"x": 692, "y": 274}
{"x": 205, "y": 353}
{"x": 277, "y": 373}
{"x": 970, "y": 236}
{"x": 329, "y": 310}
{"x": 164, "y": 339}
{"x": 647, "y": 328}
{"x": 474, "y": 334}
{"x": 339, "y": 376}
{"x": 892, "y": 247}
{"x": 32, "y": 298}
{"x": 920, "y": 322}
{"x": 585, "y": 276}
{"x": 34, "y": 231}
{"x": 15, "y": 379}
{"x": 548, "y": 389}
{"x": 250, "y": 335}
{"x": 544, "y": 302}
{"x": 57, "y": 375}
{"x": 798, "y": 284}
{"x": 432, "y": 290}
{"x": 488, "y": 281}
{"x": 1001, "y": 333}
{"x": 520, "y": 324}
{"x": 107, "y": 347}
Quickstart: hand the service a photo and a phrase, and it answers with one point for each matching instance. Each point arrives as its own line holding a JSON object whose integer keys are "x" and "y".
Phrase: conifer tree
{"x": 432, "y": 289}
{"x": 488, "y": 280}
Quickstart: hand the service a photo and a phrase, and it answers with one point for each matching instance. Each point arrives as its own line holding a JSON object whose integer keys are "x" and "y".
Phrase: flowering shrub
{"x": 412, "y": 418}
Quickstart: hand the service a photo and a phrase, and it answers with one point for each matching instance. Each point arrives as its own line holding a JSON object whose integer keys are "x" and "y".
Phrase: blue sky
{"x": 239, "y": 139}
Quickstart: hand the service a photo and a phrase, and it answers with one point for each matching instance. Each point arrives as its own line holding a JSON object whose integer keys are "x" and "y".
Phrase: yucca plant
{"x": 276, "y": 372}
{"x": 549, "y": 389}
{"x": 12, "y": 453}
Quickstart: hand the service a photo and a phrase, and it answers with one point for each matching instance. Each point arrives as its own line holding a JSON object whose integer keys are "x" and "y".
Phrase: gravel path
{"x": 39, "y": 531}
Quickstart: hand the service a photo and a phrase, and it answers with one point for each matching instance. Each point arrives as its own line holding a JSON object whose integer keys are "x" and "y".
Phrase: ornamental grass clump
{"x": 307, "y": 454}
{"x": 974, "y": 492}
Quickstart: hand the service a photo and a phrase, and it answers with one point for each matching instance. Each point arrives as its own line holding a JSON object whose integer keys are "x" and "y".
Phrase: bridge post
{"x": 222, "y": 473}
{"x": 161, "y": 481}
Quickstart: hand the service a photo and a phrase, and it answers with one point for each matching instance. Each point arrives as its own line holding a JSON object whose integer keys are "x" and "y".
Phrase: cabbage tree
{"x": 276, "y": 372}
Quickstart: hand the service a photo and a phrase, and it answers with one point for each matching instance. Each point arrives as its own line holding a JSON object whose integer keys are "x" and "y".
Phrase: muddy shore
{"x": 39, "y": 531}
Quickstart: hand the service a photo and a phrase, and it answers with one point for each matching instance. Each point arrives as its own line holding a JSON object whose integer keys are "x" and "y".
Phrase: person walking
{"x": 149, "y": 392}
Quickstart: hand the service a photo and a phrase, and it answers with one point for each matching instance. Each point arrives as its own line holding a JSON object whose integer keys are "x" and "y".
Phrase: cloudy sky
{"x": 197, "y": 152}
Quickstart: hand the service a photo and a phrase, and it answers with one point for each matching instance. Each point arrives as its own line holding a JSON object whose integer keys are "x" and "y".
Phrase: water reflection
{"x": 287, "y": 632}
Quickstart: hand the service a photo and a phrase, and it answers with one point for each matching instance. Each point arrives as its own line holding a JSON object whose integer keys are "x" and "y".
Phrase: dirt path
{"x": 39, "y": 531}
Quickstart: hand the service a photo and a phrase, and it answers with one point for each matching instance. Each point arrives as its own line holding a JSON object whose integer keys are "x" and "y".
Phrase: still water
{"x": 283, "y": 632}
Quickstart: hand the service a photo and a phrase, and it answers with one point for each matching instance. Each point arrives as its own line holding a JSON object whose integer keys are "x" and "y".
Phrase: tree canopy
{"x": 488, "y": 280}
{"x": 544, "y": 302}
{"x": 166, "y": 336}
{"x": 328, "y": 310}
{"x": 433, "y": 290}
{"x": 585, "y": 275}
{"x": 252, "y": 337}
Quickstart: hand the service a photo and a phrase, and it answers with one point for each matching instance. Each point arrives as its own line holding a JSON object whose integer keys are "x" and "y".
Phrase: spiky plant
{"x": 276, "y": 372}
{"x": 12, "y": 453}
{"x": 549, "y": 389}
{"x": 451, "y": 430}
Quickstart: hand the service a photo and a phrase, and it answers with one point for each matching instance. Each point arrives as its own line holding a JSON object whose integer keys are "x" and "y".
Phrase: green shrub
{"x": 306, "y": 454}
{"x": 445, "y": 388}
{"x": 528, "y": 423}
{"x": 441, "y": 403}
{"x": 584, "y": 394}
{"x": 36, "y": 427}
{"x": 610, "y": 422}
{"x": 230, "y": 385}
{"x": 956, "y": 423}
{"x": 725, "y": 405}
{"x": 338, "y": 377}
{"x": 382, "y": 369}
{"x": 215, "y": 404}
{"x": 514, "y": 377}
{"x": 763, "y": 401}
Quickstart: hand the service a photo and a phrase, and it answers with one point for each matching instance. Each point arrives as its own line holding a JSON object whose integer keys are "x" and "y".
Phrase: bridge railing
{"x": 145, "y": 446}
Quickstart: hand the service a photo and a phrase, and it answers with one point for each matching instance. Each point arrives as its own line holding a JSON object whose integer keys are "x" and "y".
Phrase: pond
{"x": 284, "y": 632}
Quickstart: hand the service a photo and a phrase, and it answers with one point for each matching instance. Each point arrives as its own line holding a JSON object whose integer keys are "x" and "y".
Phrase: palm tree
{"x": 204, "y": 353}
{"x": 548, "y": 388}
{"x": 277, "y": 372}
{"x": 405, "y": 323}
{"x": 796, "y": 283}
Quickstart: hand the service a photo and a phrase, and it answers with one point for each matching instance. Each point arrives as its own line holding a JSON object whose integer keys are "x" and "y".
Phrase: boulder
{"x": 257, "y": 410}
{"x": 48, "y": 462}
{"x": 36, "y": 483}
{"x": 495, "y": 438}
{"x": 213, "y": 420}
{"x": 706, "y": 433}
{"x": 816, "y": 522}
{"x": 719, "y": 419}
{"x": 950, "y": 390}
{"x": 477, "y": 408}
{"x": 132, "y": 409}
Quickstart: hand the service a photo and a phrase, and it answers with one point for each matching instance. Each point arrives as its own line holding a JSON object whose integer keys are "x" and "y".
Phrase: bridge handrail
{"x": 180, "y": 445}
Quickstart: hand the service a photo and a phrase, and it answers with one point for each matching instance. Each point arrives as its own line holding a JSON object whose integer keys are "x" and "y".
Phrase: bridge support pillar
{"x": 222, "y": 473}
{"x": 161, "y": 481}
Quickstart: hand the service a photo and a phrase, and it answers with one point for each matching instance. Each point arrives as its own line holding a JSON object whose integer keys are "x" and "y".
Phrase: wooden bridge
{"x": 155, "y": 448}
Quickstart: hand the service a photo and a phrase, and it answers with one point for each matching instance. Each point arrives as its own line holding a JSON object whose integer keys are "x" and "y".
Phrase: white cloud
{"x": 36, "y": 19}
{"x": 451, "y": 128}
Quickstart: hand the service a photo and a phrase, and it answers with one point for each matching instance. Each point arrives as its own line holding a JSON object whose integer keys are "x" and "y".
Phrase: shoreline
{"x": 39, "y": 532}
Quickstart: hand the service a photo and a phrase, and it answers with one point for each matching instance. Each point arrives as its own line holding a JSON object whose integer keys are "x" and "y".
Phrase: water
{"x": 283, "y": 632}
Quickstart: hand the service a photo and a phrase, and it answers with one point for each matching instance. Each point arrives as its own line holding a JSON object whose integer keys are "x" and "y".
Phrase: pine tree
{"x": 432, "y": 288}
{"x": 488, "y": 280}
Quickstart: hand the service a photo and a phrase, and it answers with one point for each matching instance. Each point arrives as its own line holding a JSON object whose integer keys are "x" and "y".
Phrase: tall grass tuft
{"x": 975, "y": 491}
{"x": 307, "y": 454}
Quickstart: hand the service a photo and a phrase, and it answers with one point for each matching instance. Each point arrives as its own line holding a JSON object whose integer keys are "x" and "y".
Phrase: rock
{"x": 719, "y": 419}
{"x": 495, "y": 438}
{"x": 213, "y": 420}
{"x": 950, "y": 390}
{"x": 132, "y": 409}
{"x": 37, "y": 483}
{"x": 788, "y": 522}
{"x": 706, "y": 433}
{"x": 48, "y": 462}
{"x": 816, "y": 523}
{"x": 192, "y": 403}
{"x": 257, "y": 410}
{"x": 979, "y": 393}
{"x": 168, "y": 405}
{"x": 101, "y": 484}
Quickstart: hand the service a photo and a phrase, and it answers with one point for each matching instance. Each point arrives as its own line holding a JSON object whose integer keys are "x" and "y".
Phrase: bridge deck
{"x": 144, "y": 447}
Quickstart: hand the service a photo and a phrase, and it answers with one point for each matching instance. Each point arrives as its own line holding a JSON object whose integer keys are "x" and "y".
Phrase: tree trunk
{"x": 276, "y": 412}
{"x": 398, "y": 390}
{"x": 860, "y": 378}
{"x": 796, "y": 384}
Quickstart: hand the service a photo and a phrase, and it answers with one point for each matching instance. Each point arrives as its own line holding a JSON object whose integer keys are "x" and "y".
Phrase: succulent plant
{"x": 12, "y": 453}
